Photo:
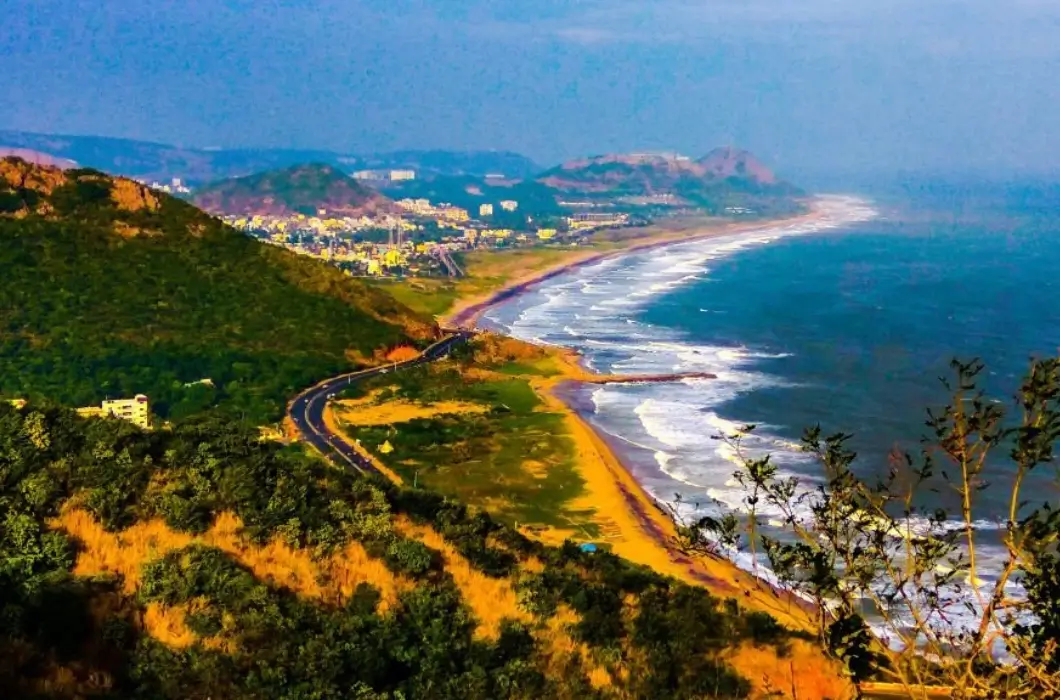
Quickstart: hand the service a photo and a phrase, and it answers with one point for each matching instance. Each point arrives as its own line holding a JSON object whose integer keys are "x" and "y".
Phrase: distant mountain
{"x": 157, "y": 161}
{"x": 112, "y": 289}
{"x": 724, "y": 177}
{"x": 303, "y": 189}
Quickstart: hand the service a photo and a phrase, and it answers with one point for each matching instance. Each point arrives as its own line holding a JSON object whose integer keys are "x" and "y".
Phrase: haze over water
{"x": 848, "y": 323}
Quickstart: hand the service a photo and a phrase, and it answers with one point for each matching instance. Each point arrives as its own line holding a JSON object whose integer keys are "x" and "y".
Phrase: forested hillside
{"x": 203, "y": 562}
{"x": 112, "y": 289}
{"x": 302, "y": 189}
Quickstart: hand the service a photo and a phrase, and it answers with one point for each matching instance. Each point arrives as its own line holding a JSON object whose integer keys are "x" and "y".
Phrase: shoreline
{"x": 643, "y": 531}
{"x": 466, "y": 314}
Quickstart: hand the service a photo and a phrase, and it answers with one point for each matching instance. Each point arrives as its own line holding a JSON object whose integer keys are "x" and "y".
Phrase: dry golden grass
{"x": 166, "y": 624}
{"x": 600, "y": 678}
{"x": 118, "y": 553}
{"x": 805, "y": 673}
{"x": 124, "y": 553}
{"x": 492, "y": 600}
{"x": 562, "y": 649}
{"x": 353, "y": 566}
{"x": 361, "y": 414}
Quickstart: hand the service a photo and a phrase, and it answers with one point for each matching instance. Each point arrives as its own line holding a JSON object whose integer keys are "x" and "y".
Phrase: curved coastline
{"x": 468, "y": 313}
{"x": 649, "y": 533}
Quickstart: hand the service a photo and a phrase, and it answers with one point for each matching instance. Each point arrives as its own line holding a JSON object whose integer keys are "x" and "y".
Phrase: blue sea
{"x": 848, "y": 322}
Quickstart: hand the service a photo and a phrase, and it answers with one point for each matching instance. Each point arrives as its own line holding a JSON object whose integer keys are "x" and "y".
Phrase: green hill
{"x": 204, "y": 562}
{"x": 112, "y": 289}
{"x": 301, "y": 189}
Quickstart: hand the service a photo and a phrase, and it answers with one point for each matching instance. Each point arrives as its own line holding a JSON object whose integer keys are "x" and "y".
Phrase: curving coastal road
{"x": 307, "y": 409}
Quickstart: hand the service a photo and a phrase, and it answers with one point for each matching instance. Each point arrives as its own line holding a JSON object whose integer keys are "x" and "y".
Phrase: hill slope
{"x": 724, "y": 177}
{"x": 203, "y": 562}
{"x": 302, "y": 189}
{"x": 113, "y": 289}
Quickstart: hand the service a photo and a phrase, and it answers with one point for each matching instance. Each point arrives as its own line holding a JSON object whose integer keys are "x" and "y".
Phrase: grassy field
{"x": 509, "y": 454}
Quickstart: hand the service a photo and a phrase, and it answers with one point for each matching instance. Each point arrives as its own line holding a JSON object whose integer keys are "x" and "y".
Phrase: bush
{"x": 412, "y": 557}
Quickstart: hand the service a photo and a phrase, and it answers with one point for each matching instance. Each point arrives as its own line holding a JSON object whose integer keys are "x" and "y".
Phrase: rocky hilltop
{"x": 301, "y": 189}
{"x": 723, "y": 177}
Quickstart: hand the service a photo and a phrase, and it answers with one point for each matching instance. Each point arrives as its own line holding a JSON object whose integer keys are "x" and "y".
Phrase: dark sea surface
{"x": 848, "y": 323}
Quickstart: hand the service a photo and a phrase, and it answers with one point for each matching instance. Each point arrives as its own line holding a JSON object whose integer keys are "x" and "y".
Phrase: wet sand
{"x": 466, "y": 313}
{"x": 633, "y": 523}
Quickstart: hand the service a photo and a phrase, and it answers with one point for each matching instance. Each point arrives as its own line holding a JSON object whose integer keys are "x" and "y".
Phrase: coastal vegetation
{"x": 112, "y": 289}
{"x": 202, "y": 561}
{"x": 473, "y": 428}
{"x": 876, "y": 551}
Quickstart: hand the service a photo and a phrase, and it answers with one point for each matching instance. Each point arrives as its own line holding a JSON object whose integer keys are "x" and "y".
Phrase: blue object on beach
{"x": 588, "y": 547}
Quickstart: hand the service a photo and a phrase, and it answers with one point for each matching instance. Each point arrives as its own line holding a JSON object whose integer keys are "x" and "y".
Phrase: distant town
{"x": 416, "y": 242}
{"x": 406, "y": 234}
{"x": 417, "y": 238}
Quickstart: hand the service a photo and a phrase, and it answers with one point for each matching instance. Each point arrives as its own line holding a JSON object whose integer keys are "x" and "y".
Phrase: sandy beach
{"x": 466, "y": 313}
{"x": 635, "y": 525}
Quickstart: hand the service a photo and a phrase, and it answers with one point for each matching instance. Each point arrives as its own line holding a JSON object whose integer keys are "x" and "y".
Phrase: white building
{"x": 485, "y": 210}
{"x": 136, "y": 410}
{"x": 509, "y": 205}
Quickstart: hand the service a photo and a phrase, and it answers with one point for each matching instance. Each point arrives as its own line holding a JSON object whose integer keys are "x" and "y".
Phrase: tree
{"x": 875, "y": 548}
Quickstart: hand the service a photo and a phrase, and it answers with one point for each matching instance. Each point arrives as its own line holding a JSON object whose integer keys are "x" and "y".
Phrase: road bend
{"x": 306, "y": 410}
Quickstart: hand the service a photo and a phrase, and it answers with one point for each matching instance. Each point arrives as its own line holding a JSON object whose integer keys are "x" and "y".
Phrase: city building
{"x": 136, "y": 410}
{"x": 485, "y": 210}
{"x": 400, "y": 175}
{"x": 452, "y": 213}
{"x": 546, "y": 234}
{"x": 509, "y": 205}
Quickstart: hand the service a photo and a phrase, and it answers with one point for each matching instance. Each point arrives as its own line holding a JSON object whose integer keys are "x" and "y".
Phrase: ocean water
{"x": 847, "y": 322}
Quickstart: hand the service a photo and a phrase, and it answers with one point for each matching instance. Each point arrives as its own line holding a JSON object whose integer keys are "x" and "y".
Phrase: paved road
{"x": 307, "y": 409}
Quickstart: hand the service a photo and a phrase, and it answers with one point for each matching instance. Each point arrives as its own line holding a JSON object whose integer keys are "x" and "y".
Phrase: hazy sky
{"x": 805, "y": 83}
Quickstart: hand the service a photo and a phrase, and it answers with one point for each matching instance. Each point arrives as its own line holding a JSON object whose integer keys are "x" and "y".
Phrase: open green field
{"x": 515, "y": 459}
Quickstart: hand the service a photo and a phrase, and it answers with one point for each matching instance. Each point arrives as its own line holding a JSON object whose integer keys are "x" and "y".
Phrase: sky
{"x": 805, "y": 84}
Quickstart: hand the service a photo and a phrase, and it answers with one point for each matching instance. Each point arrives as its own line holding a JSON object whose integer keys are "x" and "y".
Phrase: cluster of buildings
{"x": 423, "y": 208}
{"x": 414, "y": 242}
